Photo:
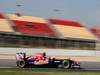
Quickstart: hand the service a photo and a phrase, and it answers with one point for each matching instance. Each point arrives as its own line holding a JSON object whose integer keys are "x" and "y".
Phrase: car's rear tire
{"x": 21, "y": 64}
{"x": 66, "y": 64}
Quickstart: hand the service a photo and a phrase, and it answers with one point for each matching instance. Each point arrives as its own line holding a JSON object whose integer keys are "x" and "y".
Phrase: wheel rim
{"x": 21, "y": 64}
{"x": 66, "y": 64}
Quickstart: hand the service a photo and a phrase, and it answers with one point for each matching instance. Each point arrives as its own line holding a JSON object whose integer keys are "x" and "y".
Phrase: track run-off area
{"x": 8, "y": 59}
{"x": 86, "y": 66}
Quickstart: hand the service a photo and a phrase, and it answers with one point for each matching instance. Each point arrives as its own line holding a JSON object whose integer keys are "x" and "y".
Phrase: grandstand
{"x": 96, "y": 32}
{"x": 34, "y": 32}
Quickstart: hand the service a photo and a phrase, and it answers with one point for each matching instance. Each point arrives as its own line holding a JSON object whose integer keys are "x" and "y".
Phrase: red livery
{"x": 41, "y": 60}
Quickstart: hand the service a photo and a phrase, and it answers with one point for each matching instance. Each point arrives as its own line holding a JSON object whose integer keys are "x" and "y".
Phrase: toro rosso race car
{"x": 41, "y": 60}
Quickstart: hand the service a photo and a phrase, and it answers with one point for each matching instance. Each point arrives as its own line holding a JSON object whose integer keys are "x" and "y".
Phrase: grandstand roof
{"x": 34, "y": 26}
{"x": 71, "y": 29}
{"x": 4, "y": 24}
{"x": 37, "y": 26}
{"x": 1, "y": 15}
{"x": 26, "y": 18}
{"x": 96, "y": 31}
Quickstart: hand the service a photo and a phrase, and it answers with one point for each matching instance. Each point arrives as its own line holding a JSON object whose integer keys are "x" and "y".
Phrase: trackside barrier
{"x": 54, "y": 52}
{"x": 75, "y": 54}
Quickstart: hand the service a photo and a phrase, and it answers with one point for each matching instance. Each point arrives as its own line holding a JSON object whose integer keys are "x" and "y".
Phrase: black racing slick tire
{"x": 21, "y": 64}
{"x": 66, "y": 64}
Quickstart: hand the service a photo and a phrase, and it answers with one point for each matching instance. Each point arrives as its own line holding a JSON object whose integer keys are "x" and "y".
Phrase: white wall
{"x": 53, "y": 52}
{"x": 78, "y": 55}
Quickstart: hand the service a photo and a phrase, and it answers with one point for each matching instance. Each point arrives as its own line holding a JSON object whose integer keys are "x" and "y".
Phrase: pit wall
{"x": 78, "y": 55}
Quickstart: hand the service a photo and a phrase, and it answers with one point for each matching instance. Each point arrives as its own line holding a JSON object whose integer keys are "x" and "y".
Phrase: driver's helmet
{"x": 44, "y": 54}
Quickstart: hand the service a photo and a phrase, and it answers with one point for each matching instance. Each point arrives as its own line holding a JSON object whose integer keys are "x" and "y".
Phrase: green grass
{"x": 5, "y": 72}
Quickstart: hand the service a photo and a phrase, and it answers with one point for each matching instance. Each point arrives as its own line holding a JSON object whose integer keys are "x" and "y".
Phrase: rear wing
{"x": 20, "y": 56}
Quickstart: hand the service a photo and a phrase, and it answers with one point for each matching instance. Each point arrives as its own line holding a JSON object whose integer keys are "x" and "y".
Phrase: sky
{"x": 87, "y": 12}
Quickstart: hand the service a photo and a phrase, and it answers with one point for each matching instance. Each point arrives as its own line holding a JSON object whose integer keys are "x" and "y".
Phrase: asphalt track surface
{"x": 86, "y": 66}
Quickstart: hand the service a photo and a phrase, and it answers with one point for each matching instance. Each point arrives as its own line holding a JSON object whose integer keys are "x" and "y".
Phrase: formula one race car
{"x": 41, "y": 60}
